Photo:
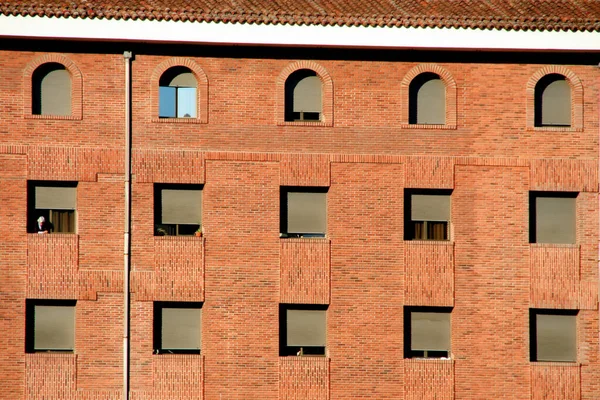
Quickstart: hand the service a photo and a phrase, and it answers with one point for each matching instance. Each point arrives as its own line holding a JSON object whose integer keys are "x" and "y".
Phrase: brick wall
{"x": 241, "y": 270}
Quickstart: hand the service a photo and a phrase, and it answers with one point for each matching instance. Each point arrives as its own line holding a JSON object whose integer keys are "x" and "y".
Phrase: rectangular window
{"x": 50, "y": 325}
{"x": 177, "y": 102}
{"x": 303, "y": 212}
{"x": 553, "y": 335}
{"x": 427, "y": 214}
{"x": 552, "y": 217}
{"x": 426, "y": 332}
{"x": 177, "y": 327}
{"x": 56, "y": 202}
{"x": 177, "y": 209}
{"x": 303, "y": 330}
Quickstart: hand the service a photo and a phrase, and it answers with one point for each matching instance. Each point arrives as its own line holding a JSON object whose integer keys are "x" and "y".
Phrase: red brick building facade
{"x": 490, "y": 274}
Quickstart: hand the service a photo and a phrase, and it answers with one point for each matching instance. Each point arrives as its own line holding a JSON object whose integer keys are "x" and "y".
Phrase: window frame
{"x": 50, "y": 214}
{"x": 533, "y": 331}
{"x": 41, "y": 73}
{"x": 157, "y": 331}
{"x": 76, "y": 88}
{"x": 410, "y": 224}
{"x": 540, "y": 90}
{"x": 291, "y": 85}
{"x": 170, "y": 74}
{"x": 425, "y": 354}
{"x": 414, "y": 102}
{"x": 174, "y": 229}
{"x": 284, "y": 211}
{"x": 30, "y": 328}
{"x": 284, "y": 349}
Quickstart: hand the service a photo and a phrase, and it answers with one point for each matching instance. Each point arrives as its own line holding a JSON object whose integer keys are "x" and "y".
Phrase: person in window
{"x": 43, "y": 226}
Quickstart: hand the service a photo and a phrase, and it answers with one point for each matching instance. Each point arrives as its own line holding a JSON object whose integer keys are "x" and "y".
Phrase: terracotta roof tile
{"x": 546, "y": 15}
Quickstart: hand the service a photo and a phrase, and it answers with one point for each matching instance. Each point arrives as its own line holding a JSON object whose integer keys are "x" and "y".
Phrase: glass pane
{"x": 186, "y": 102}
{"x": 166, "y": 108}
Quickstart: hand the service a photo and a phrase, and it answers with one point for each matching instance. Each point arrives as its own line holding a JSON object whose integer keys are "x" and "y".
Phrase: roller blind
{"x": 54, "y": 327}
{"x": 307, "y": 95}
{"x": 306, "y": 328}
{"x": 555, "y": 219}
{"x": 56, "y": 93}
{"x": 556, "y": 337}
{"x": 431, "y": 103}
{"x": 181, "y": 328}
{"x": 180, "y": 206}
{"x": 307, "y": 212}
{"x": 556, "y": 104}
{"x": 430, "y": 331}
{"x": 55, "y": 198}
{"x": 185, "y": 79}
{"x": 426, "y": 207}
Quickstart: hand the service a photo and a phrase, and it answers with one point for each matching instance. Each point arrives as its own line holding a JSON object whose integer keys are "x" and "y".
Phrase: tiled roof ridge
{"x": 574, "y": 15}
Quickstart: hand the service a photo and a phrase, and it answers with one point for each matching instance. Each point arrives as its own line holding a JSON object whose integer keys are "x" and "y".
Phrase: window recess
{"x": 303, "y": 330}
{"x": 427, "y": 214}
{"x": 553, "y": 335}
{"x": 177, "y": 209}
{"x": 303, "y": 212}
{"x": 56, "y": 202}
{"x": 177, "y": 328}
{"x": 50, "y": 326}
{"x": 303, "y": 96}
{"x": 427, "y": 332}
{"x": 553, "y": 217}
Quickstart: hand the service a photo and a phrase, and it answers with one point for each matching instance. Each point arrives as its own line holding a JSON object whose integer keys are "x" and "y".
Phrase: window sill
{"x": 430, "y": 360}
{"x": 61, "y": 234}
{"x": 556, "y": 245}
{"x": 304, "y": 123}
{"x": 554, "y": 129}
{"x": 425, "y": 242}
{"x": 183, "y": 238}
{"x": 555, "y": 363}
{"x": 54, "y": 117}
{"x": 296, "y": 237}
{"x": 180, "y": 120}
{"x": 52, "y": 353}
{"x": 176, "y": 352}
{"x": 428, "y": 126}
{"x": 165, "y": 355}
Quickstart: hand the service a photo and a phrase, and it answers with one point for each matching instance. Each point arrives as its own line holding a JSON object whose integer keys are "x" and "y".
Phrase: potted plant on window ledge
{"x": 198, "y": 232}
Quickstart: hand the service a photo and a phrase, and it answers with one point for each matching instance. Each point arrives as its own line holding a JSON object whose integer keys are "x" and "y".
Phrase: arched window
{"x": 303, "y": 96}
{"x": 51, "y": 90}
{"x": 427, "y": 100}
{"x": 553, "y": 101}
{"x": 178, "y": 93}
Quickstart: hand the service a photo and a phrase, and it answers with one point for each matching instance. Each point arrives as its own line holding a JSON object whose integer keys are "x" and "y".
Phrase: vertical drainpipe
{"x": 126, "y": 238}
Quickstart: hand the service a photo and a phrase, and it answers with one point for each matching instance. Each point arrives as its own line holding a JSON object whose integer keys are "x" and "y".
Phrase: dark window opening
{"x": 427, "y": 332}
{"x": 177, "y": 328}
{"x": 49, "y": 325}
{"x": 553, "y": 335}
{"x": 553, "y": 101}
{"x": 177, "y": 209}
{"x": 303, "y": 212}
{"x": 51, "y": 207}
{"x": 427, "y": 100}
{"x": 552, "y": 217}
{"x": 51, "y": 90}
{"x": 177, "y": 93}
{"x": 303, "y": 330}
{"x": 426, "y": 214}
{"x": 303, "y": 96}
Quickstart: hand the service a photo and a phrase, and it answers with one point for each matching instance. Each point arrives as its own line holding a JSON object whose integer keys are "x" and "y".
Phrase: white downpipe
{"x": 126, "y": 237}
